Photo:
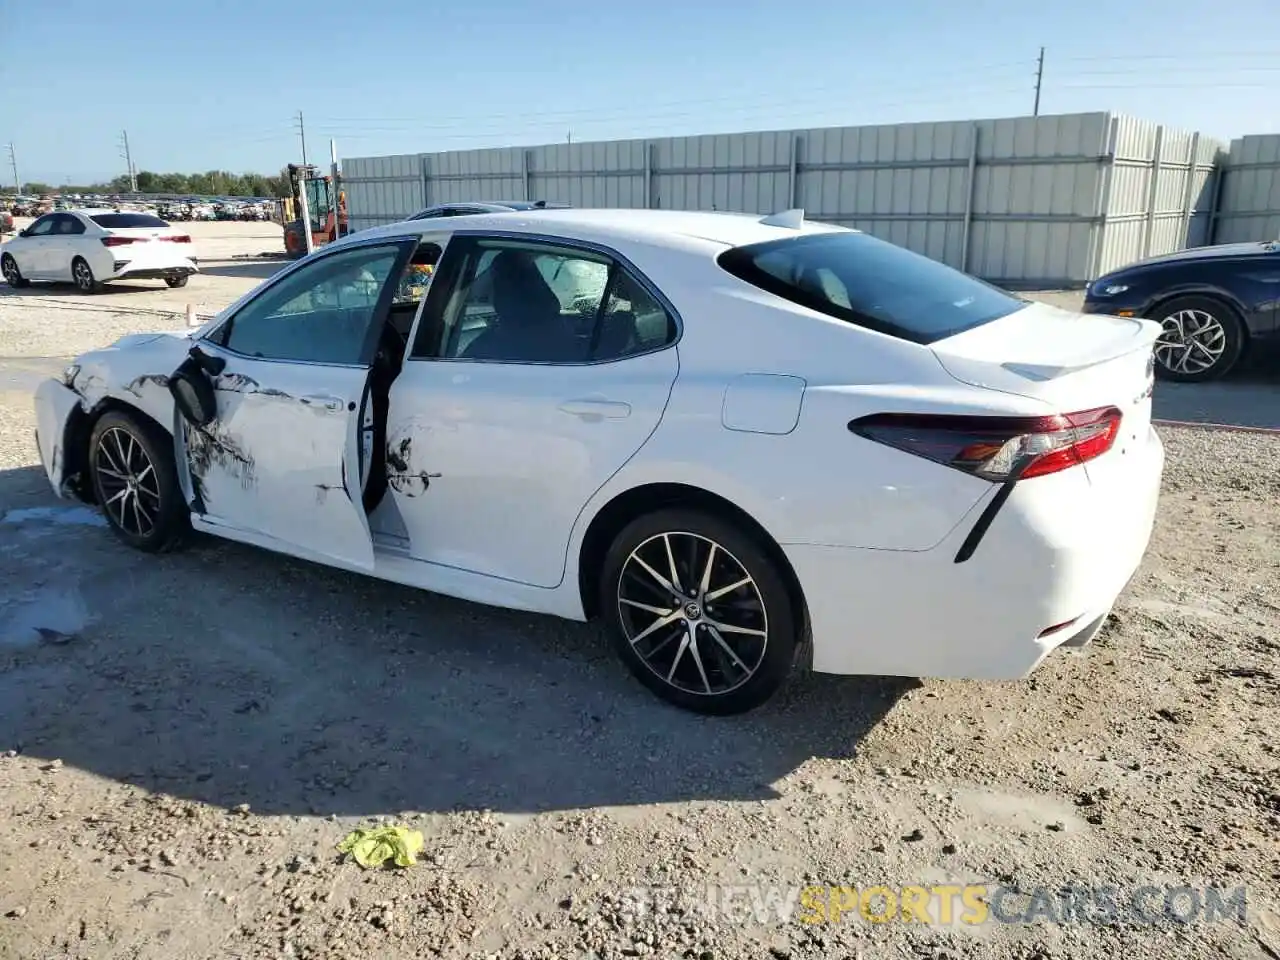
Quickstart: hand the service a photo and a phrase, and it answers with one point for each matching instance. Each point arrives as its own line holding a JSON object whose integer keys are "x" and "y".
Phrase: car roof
{"x": 607, "y": 226}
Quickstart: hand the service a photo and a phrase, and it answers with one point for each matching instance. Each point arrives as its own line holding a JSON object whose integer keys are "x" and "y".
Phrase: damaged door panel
{"x": 277, "y": 463}
{"x": 280, "y": 457}
{"x": 542, "y": 370}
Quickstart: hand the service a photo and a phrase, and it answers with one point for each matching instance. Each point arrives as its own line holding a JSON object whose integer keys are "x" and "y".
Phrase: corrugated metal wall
{"x": 1158, "y": 192}
{"x": 1249, "y": 201}
{"x": 1024, "y": 201}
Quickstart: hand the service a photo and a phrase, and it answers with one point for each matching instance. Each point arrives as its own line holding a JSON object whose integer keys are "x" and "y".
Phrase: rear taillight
{"x": 997, "y": 448}
{"x": 118, "y": 241}
{"x": 179, "y": 238}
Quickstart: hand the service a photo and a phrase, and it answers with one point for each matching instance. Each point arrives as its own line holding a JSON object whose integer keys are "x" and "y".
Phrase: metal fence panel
{"x": 1025, "y": 201}
{"x": 1249, "y": 204}
{"x": 1159, "y": 194}
{"x": 382, "y": 189}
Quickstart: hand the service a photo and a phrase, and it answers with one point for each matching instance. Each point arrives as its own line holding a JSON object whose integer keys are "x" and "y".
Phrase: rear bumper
{"x": 153, "y": 270}
{"x": 1056, "y": 556}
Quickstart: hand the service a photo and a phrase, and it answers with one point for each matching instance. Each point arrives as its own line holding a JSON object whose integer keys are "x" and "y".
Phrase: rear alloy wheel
{"x": 12, "y": 275}
{"x": 700, "y": 613}
{"x": 175, "y": 282}
{"x": 1200, "y": 339}
{"x": 136, "y": 483}
{"x": 82, "y": 276}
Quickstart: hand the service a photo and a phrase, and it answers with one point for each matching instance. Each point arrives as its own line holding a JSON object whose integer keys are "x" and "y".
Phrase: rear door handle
{"x": 324, "y": 403}
{"x": 596, "y": 409}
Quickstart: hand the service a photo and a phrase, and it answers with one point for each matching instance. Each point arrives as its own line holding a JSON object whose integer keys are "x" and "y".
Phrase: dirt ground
{"x": 184, "y": 739}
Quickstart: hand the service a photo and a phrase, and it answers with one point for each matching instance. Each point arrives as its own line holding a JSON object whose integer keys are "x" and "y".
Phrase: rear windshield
{"x": 871, "y": 283}
{"x": 123, "y": 221}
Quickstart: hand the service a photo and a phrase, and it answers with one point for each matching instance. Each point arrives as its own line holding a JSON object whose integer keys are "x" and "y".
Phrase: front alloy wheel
{"x": 136, "y": 483}
{"x": 700, "y": 612}
{"x": 12, "y": 275}
{"x": 1200, "y": 339}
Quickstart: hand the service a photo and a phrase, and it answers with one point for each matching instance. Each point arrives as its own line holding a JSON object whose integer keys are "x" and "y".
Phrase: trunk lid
{"x": 1069, "y": 361}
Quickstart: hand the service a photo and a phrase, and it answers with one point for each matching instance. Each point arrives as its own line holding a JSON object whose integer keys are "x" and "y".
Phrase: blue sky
{"x": 202, "y": 84}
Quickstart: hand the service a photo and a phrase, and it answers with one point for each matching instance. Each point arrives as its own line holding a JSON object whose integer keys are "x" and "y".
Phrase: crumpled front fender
{"x": 55, "y": 405}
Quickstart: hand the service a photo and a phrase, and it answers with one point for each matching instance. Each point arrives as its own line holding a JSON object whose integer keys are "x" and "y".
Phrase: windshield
{"x": 871, "y": 283}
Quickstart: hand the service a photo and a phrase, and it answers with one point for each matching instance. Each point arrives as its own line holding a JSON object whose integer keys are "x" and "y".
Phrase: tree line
{"x": 216, "y": 183}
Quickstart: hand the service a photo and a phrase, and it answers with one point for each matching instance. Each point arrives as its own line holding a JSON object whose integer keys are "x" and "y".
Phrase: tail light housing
{"x": 998, "y": 449}
{"x": 118, "y": 241}
{"x": 178, "y": 238}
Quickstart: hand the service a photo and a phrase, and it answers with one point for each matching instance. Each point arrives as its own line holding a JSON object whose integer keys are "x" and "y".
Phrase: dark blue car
{"x": 1215, "y": 303}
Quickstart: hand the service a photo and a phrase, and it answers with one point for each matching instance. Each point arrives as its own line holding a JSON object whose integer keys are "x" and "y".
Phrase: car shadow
{"x": 1248, "y": 396}
{"x": 257, "y": 269}
{"x": 231, "y": 675}
{"x": 49, "y": 288}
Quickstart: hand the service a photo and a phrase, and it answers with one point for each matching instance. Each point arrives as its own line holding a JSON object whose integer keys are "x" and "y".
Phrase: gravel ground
{"x": 190, "y": 735}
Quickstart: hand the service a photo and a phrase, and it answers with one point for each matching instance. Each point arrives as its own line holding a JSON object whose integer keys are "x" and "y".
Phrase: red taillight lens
{"x": 178, "y": 238}
{"x": 118, "y": 241}
{"x": 997, "y": 448}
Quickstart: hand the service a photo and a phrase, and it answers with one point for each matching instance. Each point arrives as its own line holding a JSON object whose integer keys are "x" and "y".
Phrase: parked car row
{"x": 244, "y": 210}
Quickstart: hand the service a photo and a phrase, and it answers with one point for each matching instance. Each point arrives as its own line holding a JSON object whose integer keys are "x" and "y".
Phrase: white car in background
{"x": 92, "y": 247}
{"x": 744, "y": 442}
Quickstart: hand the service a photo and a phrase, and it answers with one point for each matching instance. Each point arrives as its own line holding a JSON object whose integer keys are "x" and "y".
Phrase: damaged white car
{"x": 746, "y": 442}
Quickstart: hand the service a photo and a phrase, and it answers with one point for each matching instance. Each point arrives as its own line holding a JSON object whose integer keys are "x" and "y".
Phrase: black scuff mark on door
{"x": 137, "y": 384}
{"x": 213, "y": 448}
{"x": 322, "y": 489}
{"x": 197, "y": 504}
{"x": 239, "y": 383}
{"x": 400, "y": 477}
{"x": 235, "y": 383}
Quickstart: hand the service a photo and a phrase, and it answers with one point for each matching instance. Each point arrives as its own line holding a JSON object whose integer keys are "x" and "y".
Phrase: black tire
{"x": 1193, "y": 328}
{"x": 710, "y": 682}
{"x": 12, "y": 275}
{"x": 82, "y": 276}
{"x": 112, "y": 455}
{"x": 175, "y": 282}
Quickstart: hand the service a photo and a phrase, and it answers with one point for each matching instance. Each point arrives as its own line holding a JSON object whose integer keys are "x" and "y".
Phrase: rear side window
{"x": 123, "y": 221}
{"x": 871, "y": 283}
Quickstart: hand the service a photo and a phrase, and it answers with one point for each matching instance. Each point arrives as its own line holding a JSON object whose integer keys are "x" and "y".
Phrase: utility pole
{"x": 569, "y": 137}
{"x": 302, "y": 133}
{"x": 13, "y": 162}
{"x": 128, "y": 159}
{"x": 1035, "y": 112}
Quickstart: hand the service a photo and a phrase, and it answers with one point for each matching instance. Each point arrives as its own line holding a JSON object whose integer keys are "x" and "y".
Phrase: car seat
{"x": 529, "y": 325}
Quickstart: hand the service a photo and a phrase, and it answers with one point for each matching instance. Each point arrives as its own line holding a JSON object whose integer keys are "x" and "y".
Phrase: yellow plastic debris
{"x": 377, "y": 845}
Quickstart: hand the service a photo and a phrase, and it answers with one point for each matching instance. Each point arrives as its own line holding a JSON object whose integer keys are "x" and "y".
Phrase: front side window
{"x": 42, "y": 227}
{"x": 871, "y": 283}
{"x": 321, "y": 313}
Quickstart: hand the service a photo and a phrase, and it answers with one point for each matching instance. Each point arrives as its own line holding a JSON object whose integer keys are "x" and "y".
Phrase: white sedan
{"x": 747, "y": 443}
{"x": 91, "y": 247}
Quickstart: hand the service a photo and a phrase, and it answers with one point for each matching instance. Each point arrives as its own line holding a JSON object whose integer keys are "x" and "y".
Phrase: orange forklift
{"x": 328, "y": 220}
